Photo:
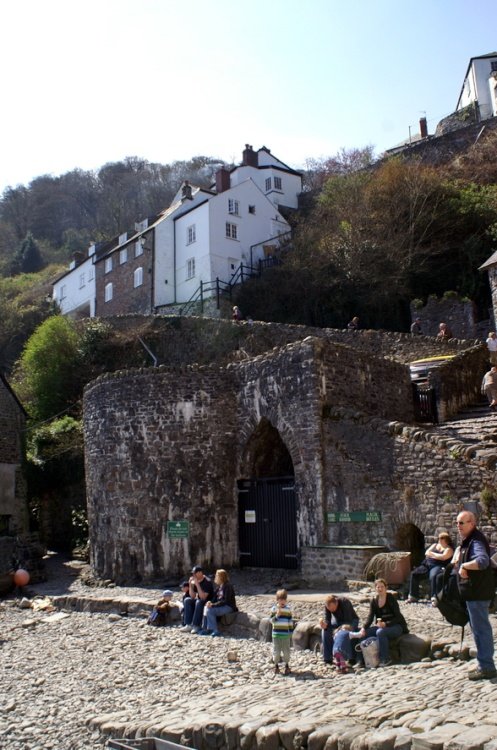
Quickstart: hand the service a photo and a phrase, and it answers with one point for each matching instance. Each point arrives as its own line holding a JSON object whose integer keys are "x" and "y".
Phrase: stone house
{"x": 203, "y": 236}
{"x": 300, "y": 453}
{"x": 13, "y": 509}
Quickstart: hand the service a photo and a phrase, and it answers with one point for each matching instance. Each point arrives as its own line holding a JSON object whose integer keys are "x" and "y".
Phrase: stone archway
{"x": 265, "y": 454}
{"x": 410, "y": 538}
{"x": 267, "y": 505}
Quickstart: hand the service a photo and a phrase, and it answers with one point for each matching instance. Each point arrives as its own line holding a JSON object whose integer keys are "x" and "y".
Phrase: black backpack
{"x": 449, "y": 601}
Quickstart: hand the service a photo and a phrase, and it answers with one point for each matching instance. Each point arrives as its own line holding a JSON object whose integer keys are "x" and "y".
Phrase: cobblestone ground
{"x": 70, "y": 680}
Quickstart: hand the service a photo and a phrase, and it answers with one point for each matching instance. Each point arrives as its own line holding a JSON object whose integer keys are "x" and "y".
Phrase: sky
{"x": 87, "y": 83}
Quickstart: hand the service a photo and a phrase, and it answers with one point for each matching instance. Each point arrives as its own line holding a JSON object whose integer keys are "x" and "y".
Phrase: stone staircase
{"x": 476, "y": 427}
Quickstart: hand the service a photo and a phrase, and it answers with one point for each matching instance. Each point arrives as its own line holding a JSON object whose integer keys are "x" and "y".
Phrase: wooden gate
{"x": 267, "y": 522}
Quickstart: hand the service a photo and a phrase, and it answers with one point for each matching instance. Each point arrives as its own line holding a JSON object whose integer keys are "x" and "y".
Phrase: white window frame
{"x": 138, "y": 276}
{"x": 233, "y": 207}
{"x": 108, "y": 265}
{"x": 91, "y": 273}
{"x": 191, "y": 234}
{"x": 190, "y": 268}
{"x": 231, "y": 231}
{"x": 82, "y": 281}
{"x": 138, "y": 248}
{"x": 268, "y": 184}
{"x": 277, "y": 183}
{"x": 62, "y": 292}
{"x": 108, "y": 292}
{"x": 123, "y": 255}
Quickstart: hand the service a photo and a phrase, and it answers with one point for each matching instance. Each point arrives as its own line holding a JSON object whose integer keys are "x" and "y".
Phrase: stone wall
{"x": 411, "y": 476}
{"x": 334, "y": 564}
{"x": 459, "y": 315}
{"x": 12, "y": 485}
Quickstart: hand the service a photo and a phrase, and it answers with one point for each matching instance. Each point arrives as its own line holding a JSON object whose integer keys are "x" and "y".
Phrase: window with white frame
{"x": 138, "y": 248}
{"x": 277, "y": 183}
{"x": 108, "y": 265}
{"x": 123, "y": 255}
{"x": 109, "y": 292}
{"x": 91, "y": 273}
{"x": 233, "y": 206}
{"x": 138, "y": 277}
{"x": 231, "y": 231}
{"x": 62, "y": 292}
{"x": 81, "y": 280}
{"x": 251, "y": 209}
{"x": 191, "y": 234}
{"x": 268, "y": 184}
{"x": 190, "y": 268}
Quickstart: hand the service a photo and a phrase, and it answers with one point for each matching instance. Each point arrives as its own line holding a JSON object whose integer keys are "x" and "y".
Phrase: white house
{"x": 75, "y": 290}
{"x": 204, "y": 235}
{"x": 480, "y": 86}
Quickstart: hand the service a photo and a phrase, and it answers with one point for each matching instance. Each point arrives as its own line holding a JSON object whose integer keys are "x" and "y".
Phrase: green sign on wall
{"x": 357, "y": 516}
{"x": 178, "y": 529}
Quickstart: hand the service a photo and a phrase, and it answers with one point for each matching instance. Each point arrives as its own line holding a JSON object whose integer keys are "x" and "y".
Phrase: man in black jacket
{"x": 338, "y": 611}
{"x": 477, "y": 587}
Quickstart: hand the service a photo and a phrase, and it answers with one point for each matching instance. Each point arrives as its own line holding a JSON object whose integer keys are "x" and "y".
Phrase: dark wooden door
{"x": 267, "y": 521}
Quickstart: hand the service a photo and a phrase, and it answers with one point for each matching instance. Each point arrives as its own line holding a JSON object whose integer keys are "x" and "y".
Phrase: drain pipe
{"x": 148, "y": 350}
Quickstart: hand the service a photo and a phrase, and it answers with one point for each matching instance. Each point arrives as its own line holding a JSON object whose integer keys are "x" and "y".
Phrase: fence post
{"x": 218, "y": 303}
{"x": 202, "y": 296}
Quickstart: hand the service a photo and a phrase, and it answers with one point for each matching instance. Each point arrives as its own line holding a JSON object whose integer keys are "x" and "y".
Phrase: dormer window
{"x": 233, "y": 207}
{"x": 123, "y": 255}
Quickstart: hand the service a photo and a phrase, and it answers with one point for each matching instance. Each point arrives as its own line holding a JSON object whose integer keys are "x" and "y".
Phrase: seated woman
{"x": 389, "y": 621}
{"x": 223, "y": 603}
{"x": 438, "y": 556}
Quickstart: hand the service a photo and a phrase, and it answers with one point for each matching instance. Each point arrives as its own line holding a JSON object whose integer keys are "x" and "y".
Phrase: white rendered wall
{"x": 252, "y": 228}
{"x": 478, "y": 86}
{"x": 77, "y": 296}
{"x": 291, "y": 184}
{"x": 197, "y": 251}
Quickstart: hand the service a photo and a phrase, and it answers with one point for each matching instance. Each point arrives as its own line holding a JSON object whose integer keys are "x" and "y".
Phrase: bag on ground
{"x": 370, "y": 649}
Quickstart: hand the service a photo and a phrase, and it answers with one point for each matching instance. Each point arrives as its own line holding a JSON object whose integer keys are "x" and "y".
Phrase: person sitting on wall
{"x": 492, "y": 347}
{"x": 416, "y": 327}
{"x": 161, "y": 611}
{"x": 201, "y": 591}
{"x": 437, "y": 557}
{"x": 223, "y": 603}
{"x": 444, "y": 332}
{"x": 338, "y": 612}
{"x": 236, "y": 314}
{"x": 389, "y": 622}
{"x": 185, "y": 593}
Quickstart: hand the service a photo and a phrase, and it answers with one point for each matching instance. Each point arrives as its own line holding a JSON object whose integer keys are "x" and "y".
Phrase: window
{"x": 91, "y": 273}
{"x": 108, "y": 265}
{"x": 251, "y": 209}
{"x": 493, "y": 66}
{"x": 108, "y": 292}
{"x": 81, "y": 280}
{"x": 277, "y": 183}
{"x": 233, "y": 206}
{"x": 138, "y": 277}
{"x": 138, "y": 248}
{"x": 191, "y": 234}
{"x": 231, "y": 231}
{"x": 123, "y": 255}
{"x": 268, "y": 184}
{"x": 62, "y": 292}
{"x": 190, "y": 268}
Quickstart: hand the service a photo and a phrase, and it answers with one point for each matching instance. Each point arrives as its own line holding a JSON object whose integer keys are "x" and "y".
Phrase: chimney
{"x": 249, "y": 157}
{"x": 186, "y": 191}
{"x": 423, "y": 127}
{"x": 222, "y": 180}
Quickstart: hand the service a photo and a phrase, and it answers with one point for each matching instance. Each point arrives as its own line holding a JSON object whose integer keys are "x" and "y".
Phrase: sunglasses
{"x": 461, "y": 523}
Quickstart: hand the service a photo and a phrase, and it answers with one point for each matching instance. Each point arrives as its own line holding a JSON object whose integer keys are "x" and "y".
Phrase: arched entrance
{"x": 267, "y": 506}
{"x": 411, "y": 539}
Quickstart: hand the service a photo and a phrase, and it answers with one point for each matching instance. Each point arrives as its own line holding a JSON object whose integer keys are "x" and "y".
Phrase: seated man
{"x": 338, "y": 611}
{"x": 201, "y": 591}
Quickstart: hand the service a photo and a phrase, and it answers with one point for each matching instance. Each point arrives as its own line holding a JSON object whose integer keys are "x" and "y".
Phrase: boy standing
{"x": 282, "y": 620}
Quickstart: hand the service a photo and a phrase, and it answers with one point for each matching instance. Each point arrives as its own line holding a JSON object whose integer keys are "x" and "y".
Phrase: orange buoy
{"x": 21, "y": 577}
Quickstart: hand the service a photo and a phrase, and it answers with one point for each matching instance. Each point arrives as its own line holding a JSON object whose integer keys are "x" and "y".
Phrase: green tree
{"x": 48, "y": 378}
{"x": 28, "y": 259}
